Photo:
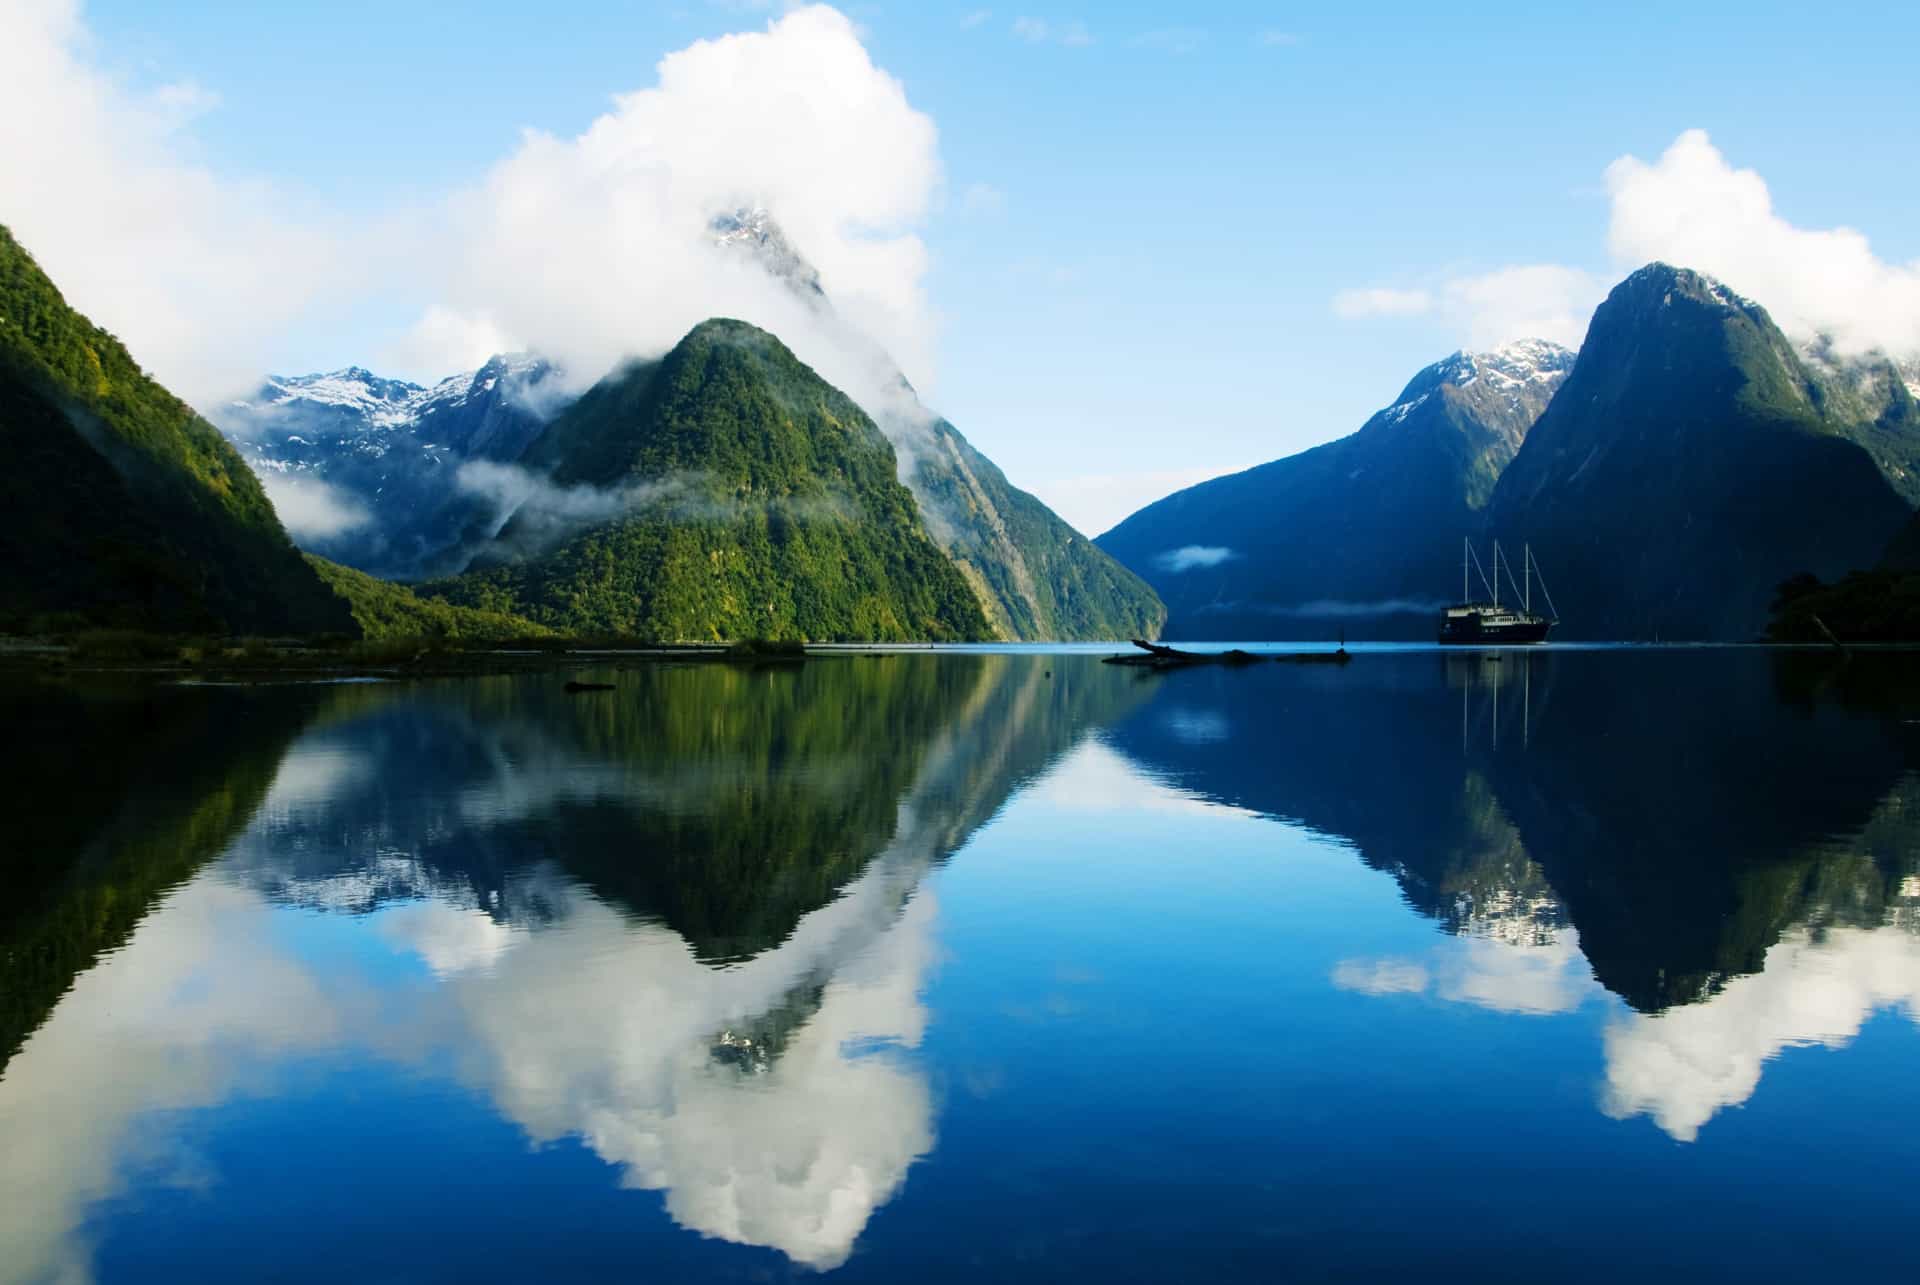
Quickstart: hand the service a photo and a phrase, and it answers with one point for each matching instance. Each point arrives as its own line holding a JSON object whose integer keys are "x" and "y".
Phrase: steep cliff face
{"x": 122, "y": 506}
{"x": 1692, "y": 461}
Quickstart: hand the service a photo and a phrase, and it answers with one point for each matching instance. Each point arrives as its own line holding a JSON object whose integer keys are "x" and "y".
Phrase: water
{"x": 1568, "y": 965}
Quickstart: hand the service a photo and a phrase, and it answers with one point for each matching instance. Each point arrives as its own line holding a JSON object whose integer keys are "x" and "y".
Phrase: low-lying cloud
{"x": 531, "y": 513}
{"x": 311, "y": 509}
{"x": 541, "y": 513}
{"x": 1190, "y": 556}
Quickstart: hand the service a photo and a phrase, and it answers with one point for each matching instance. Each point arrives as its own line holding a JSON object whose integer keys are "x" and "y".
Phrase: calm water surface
{"x": 1572, "y": 965}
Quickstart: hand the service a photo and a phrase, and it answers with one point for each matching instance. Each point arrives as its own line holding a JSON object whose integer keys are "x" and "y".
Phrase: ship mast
{"x": 1526, "y": 573}
{"x": 1466, "y": 552}
{"x": 1496, "y": 573}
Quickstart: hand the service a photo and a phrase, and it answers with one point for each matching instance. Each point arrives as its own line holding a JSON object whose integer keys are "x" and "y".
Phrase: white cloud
{"x": 595, "y": 247}
{"x": 1686, "y": 1065}
{"x": 1487, "y": 971}
{"x": 443, "y": 340}
{"x": 1274, "y": 39}
{"x": 1380, "y": 301}
{"x": 587, "y": 248}
{"x": 1034, "y": 29}
{"x": 1536, "y": 301}
{"x": 1381, "y": 976}
{"x": 1693, "y": 209}
{"x": 1189, "y": 556}
{"x": 309, "y": 508}
{"x": 194, "y": 270}
{"x": 974, "y": 19}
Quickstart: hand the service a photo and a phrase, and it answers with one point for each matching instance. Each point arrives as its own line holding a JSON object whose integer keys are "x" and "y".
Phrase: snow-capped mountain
{"x": 365, "y": 469}
{"x": 1504, "y": 390}
{"x": 754, "y": 231}
{"x": 1363, "y": 532}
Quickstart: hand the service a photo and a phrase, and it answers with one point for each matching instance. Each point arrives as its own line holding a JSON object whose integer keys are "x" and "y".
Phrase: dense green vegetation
{"x": 744, "y": 497}
{"x": 727, "y": 801}
{"x": 1882, "y": 605}
{"x": 1351, "y": 536}
{"x": 124, "y": 507}
{"x": 384, "y": 610}
{"x": 1691, "y": 462}
{"x": 1036, "y": 577}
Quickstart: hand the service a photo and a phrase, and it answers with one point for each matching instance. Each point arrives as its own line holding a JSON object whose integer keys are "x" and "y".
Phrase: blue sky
{"x": 1145, "y": 213}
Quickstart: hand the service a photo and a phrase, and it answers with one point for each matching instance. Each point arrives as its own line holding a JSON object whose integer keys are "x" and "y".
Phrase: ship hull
{"x": 1470, "y": 631}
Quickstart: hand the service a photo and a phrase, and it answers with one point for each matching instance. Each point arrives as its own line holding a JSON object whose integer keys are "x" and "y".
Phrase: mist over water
{"x": 950, "y": 964}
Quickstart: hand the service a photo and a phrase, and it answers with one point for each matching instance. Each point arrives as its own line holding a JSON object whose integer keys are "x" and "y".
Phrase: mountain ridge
{"x": 1358, "y": 533}
{"x": 1692, "y": 461}
{"x": 125, "y": 507}
{"x": 724, "y": 492}
{"x": 1035, "y": 576}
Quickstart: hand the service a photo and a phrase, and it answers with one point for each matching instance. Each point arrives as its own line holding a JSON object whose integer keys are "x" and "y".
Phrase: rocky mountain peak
{"x": 752, "y": 230}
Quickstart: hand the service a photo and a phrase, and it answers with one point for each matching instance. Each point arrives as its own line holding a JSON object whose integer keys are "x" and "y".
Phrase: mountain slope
{"x": 1691, "y": 462}
{"x": 384, "y": 610}
{"x": 1361, "y": 534}
{"x": 1035, "y": 576}
{"x": 381, "y": 459}
{"x": 725, "y": 491}
{"x": 121, "y": 504}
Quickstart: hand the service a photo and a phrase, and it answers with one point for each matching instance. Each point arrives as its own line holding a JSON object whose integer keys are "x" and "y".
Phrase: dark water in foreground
{"x": 1592, "y": 965}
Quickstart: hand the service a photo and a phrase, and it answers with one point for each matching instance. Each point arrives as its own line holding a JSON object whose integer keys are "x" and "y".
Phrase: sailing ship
{"x": 1486, "y": 622}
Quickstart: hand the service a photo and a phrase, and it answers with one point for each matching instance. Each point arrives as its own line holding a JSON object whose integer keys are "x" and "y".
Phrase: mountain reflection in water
{"x": 1727, "y": 840}
{"x": 689, "y": 926}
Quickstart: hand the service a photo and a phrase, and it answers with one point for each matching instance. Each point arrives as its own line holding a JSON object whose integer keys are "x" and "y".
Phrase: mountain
{"x": 1693, "y": 460}
{"x": 1036, "y": 577}
{"x": 1879, "y": 604}
{"x": 384, "y": 610}
{"x": 1361, "y": 534}
{"x": 1569, "y": 789}
{"x": 122, "y": 505}
{"x": 724, "y": 491}
{"x": 387, "y": 455}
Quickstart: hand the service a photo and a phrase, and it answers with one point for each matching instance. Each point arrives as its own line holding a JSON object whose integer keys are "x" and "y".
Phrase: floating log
{"x": 574, "y": 685}
{"x": 1158, "y": 656}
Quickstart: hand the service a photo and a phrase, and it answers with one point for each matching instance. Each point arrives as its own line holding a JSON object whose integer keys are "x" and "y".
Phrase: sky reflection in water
{"x": 942, "y": 965}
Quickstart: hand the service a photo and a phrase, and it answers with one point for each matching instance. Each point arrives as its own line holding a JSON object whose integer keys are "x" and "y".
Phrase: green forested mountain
{"x": 1037, "y": 578}
{"x": 724, "y": 491}
{"x": 122, "y": 505}
{"x": 1693, "y": 460}
{"x": 1361, "y": 534}
{"x": 384, "y": 610}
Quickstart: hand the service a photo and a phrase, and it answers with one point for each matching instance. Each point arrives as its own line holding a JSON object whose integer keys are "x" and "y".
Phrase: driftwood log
{"x": 1158, "y": 656}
